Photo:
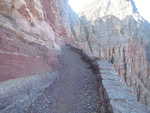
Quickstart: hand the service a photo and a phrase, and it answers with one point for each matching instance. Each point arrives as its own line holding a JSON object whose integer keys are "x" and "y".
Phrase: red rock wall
{"x": 20, "y": 58}
{"x": 31, "y": 37}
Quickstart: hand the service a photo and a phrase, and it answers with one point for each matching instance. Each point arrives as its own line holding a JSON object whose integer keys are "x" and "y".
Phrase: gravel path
{"x": 74, "y": 92}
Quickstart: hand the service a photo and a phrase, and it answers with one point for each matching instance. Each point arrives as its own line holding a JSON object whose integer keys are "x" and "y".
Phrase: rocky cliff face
{"x": 101, "y": 8}
{"x": 32, "y": 33}
{"x": 114, "y": 30}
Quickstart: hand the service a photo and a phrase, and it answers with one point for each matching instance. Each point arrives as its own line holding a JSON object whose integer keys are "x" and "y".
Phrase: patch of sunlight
{"x": 78, "y": 5}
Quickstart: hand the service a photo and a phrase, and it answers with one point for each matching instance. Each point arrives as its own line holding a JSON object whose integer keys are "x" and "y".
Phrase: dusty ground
{"x": 74, "y": 92}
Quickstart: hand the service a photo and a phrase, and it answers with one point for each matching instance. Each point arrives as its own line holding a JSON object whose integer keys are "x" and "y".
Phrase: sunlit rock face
{"x": 114, "y": 30}
{"x": 101, "y": 8}
{"x": 31, "y": 33}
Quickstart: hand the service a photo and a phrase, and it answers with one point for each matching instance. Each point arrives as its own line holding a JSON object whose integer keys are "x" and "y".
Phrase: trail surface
{"x": 74, "y": 92}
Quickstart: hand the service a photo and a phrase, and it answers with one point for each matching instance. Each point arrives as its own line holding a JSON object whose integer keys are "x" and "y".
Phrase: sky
{"x": 144, "y": 8}
{"x": 77, "y": 5}
{"x": 142, "y": 5}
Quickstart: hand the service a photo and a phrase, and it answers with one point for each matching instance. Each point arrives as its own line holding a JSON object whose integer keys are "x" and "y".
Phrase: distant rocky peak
{"x": 117, "y": 8}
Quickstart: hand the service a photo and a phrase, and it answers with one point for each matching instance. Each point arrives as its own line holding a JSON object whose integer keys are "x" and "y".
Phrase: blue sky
{"x": 142, "y": 5}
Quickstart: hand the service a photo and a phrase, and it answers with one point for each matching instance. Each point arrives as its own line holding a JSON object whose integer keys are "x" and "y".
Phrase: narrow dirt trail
{"x": 74, "y": 92}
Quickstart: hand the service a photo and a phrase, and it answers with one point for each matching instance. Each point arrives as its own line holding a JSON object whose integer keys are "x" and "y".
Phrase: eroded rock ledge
{"x": 121, "y": 97}
{"x": 115, "y": 95}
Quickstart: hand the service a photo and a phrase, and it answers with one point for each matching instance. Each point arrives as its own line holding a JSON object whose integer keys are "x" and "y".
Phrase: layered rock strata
{"x": 115, "y": 31}
{"x": 31, "y": 33}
